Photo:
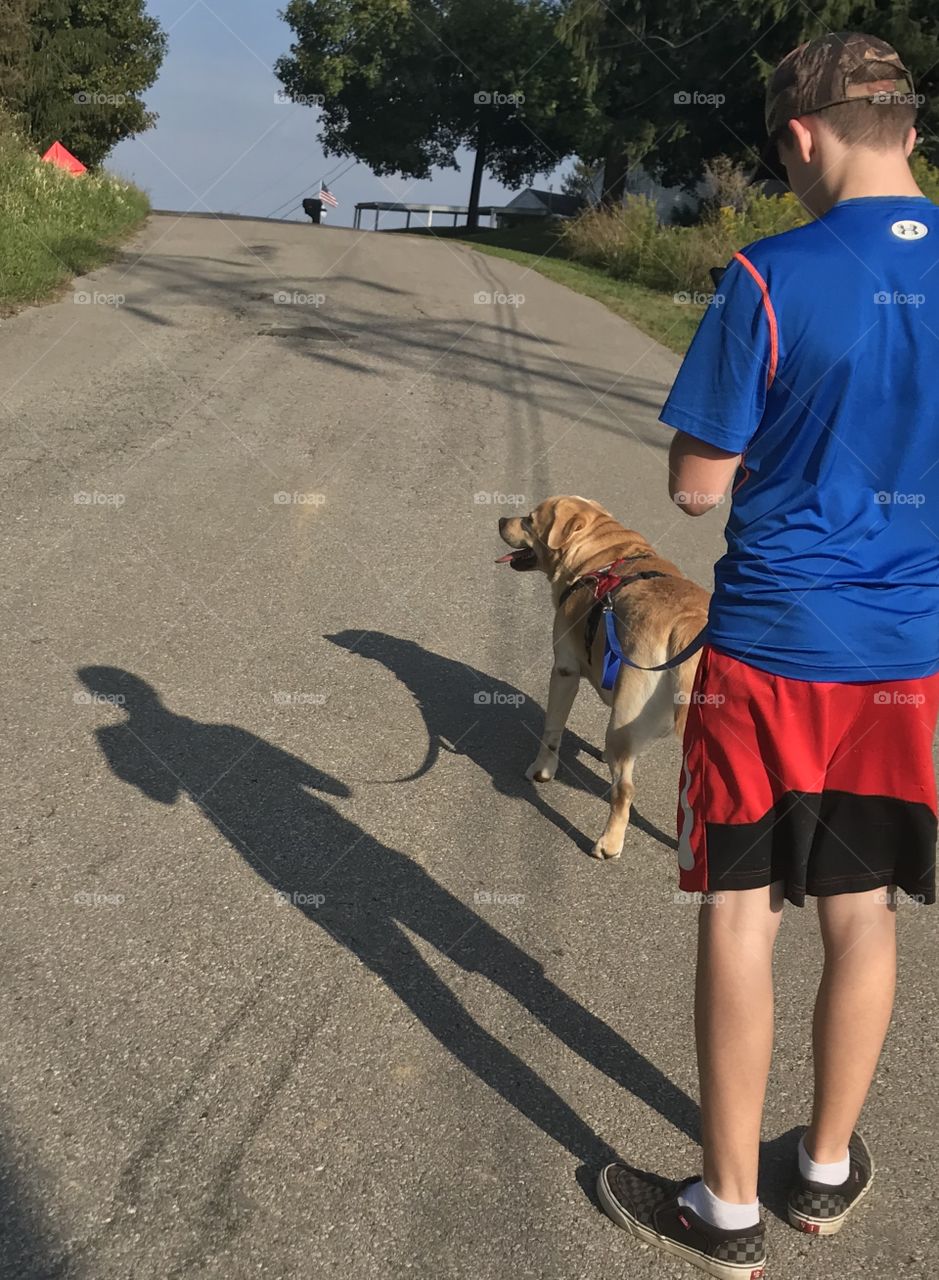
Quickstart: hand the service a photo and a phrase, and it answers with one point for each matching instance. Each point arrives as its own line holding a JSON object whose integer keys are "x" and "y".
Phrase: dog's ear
{"x": 568, "y": 520}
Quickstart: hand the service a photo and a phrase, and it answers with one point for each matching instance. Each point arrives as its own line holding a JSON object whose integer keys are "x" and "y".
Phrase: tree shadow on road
{"x": 272, "y": 807}
{"x": 488, "y": 720}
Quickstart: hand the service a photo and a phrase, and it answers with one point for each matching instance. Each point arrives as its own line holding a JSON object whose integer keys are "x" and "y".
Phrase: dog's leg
{"x": 642, "y": 712}
{"x": 621, "y": 757}
{"x": 561, "y": 694}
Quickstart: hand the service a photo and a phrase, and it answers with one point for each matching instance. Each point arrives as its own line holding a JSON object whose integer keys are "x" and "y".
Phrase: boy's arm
{"x": 719, "y": 395}
{"x": 698, "y": 474}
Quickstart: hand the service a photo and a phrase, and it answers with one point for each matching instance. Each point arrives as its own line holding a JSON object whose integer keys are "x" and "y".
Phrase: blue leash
{"x": 613, "y": 656}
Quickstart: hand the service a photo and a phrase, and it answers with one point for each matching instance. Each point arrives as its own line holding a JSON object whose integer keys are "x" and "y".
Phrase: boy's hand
{"x": 698, "y": 474}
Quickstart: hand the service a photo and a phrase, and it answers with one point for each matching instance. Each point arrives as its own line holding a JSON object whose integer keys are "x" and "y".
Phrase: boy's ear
{"x": 801, "y": 140}
{"x": 911, "y": 140}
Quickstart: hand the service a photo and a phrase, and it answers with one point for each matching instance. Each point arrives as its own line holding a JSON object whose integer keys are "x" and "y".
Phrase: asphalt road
{"x": 300, "y": 976}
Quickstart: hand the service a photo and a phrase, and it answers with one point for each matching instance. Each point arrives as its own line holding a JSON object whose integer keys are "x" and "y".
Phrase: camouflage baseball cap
{"x": 827, "y": 71}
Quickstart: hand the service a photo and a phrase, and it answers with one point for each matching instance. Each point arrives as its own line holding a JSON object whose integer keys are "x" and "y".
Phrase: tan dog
{"x": 657, "y": 617}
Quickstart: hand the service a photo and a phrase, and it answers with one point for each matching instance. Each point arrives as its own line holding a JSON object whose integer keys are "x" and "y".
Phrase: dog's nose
{"x": 503, "y": 521}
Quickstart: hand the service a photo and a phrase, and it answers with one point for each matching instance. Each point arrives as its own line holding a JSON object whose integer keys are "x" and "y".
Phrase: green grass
{"x": 54, "y": 226}
{"x": 540, "y": 249}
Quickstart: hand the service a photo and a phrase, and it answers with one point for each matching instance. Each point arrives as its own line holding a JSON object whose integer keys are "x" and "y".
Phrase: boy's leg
{"x": 734, "y": 1033}
{"x": 852, "y": 1013}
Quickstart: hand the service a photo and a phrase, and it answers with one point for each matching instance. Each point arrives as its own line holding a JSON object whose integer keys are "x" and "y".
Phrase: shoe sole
{"x": 723, "y": 1270}
{"x": 828, "y": 1226}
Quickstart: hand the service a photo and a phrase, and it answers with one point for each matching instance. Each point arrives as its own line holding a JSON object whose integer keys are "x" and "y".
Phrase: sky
{"x": 225, "y": 143}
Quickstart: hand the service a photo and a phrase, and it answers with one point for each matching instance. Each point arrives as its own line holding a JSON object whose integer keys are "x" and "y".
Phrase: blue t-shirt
{"x": 818, "y": 360}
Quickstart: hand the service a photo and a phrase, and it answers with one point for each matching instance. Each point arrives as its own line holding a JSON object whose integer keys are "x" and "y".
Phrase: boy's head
{"x": 841, "y": 107}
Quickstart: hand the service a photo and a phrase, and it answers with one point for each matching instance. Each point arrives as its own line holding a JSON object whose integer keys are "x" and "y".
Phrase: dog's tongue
{"x": 507, "y": 559}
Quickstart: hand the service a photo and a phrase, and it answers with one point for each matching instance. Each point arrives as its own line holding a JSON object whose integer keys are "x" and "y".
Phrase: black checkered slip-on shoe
{"x": 822, "y": 1209}
{"x": 647, "y": 1207}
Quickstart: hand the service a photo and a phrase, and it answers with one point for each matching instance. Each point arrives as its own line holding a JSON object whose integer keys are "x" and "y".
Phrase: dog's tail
{"x": 684, "y": 630}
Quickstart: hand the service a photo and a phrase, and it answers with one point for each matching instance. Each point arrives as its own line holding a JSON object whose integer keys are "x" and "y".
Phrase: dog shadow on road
{"x": 273, "y": 808}
{"x": 488, "y": 720}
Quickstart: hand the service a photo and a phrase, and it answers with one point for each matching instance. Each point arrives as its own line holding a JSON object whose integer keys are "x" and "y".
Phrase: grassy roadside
{"x": 54, "y": 226}
{"x": 654, "y": 312}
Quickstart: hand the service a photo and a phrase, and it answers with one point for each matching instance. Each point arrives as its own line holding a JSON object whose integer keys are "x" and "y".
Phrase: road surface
{"x": 300, "y": 976}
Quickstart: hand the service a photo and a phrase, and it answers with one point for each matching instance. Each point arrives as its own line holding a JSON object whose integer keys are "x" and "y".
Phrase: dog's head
{"x": 551, "y": 535}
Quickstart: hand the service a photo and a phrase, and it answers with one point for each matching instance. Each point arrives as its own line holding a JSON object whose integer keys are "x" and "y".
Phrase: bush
{"x": 631, "y": 244}
{"x": 54, "y": 225}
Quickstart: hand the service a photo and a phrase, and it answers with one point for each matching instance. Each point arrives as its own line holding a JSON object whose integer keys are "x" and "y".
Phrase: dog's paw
{"x": 605, "y": 850}
{"x": 542, "y": 771}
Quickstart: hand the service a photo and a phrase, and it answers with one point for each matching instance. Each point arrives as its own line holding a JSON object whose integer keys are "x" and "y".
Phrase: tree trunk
{"x": 615, "y": 172}
{"x": 472, "y": 216}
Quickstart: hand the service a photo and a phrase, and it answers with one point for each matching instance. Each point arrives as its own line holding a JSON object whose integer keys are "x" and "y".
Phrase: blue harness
{"x": 606, "y": 583}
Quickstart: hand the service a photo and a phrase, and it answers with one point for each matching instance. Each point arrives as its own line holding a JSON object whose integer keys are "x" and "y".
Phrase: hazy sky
{"x": 223, "y": 141}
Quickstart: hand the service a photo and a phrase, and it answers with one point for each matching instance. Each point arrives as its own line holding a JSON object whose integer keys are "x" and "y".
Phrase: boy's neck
{"x": 871, "y": 176}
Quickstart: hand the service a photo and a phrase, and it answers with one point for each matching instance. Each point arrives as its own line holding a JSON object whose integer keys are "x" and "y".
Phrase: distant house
{"x": 532, "y": 203}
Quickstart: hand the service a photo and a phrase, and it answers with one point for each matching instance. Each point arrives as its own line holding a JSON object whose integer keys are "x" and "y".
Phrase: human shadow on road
{"x": 488, "y": 720}
{"x": 272, "y": 808}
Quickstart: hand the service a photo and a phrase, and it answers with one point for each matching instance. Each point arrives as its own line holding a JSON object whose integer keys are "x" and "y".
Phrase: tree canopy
{"x": 78, "y": 70}
{"x": 404, "y": 85}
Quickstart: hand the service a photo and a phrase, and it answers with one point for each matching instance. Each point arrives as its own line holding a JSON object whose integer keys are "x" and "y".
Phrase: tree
{"x": 81, "y": 77}
{"x": 680, "y": 82}
{"x": 402, "y": 86}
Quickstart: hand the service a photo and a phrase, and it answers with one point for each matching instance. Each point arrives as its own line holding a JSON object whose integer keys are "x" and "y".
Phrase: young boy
{"x": 812, "y": 380}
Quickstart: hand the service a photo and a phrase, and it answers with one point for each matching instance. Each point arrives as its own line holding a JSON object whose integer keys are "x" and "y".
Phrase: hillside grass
{"x": 54, "y": 226}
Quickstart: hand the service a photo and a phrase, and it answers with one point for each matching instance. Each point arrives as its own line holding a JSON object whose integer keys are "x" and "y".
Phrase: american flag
{"x": 327, "y": 196}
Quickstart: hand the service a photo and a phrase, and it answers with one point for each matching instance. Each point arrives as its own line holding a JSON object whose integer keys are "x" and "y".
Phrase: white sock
{"x": 829, "y": 1175}
{"x": 717, "y": 1212}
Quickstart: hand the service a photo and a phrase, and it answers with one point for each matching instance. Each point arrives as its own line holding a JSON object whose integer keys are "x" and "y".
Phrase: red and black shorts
{"x": 827, "y": 787}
